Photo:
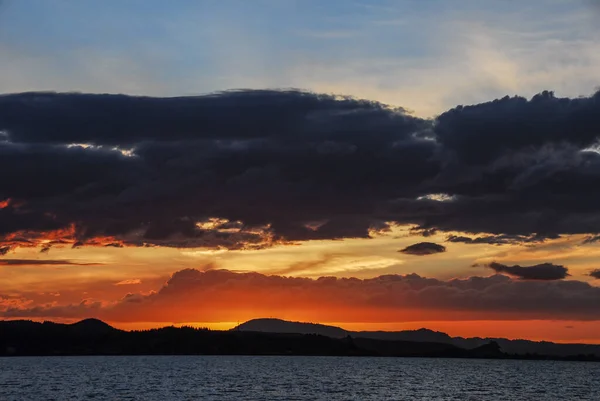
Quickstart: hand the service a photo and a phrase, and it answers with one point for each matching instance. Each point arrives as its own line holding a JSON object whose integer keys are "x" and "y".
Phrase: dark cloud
{"x": 215, "y": 295}
{"x": 423, "y": 248}
{"x": 483, "y": 132}
{"x": 500, "y": 239}
{"x": 543, "y": 271}
{"x": 270, "y": 162}
{"x": 248, "y": 169}
{"x": 424, "y": 232}
{"x": 120, "y": 120}
{"x": 41, "y": 262}
{"x": 595, "y": 274}
{"x": 4, "y": 250}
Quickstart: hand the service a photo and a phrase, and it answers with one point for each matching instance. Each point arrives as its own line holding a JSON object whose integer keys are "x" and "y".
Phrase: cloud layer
{"x": 246, "y": 169}
{"x": 220, "y": 295}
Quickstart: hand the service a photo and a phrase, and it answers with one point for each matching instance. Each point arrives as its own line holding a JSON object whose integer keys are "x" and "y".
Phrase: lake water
{"x": 164, "y": 378}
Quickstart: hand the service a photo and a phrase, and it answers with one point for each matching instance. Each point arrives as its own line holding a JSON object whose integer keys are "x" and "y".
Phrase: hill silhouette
{"x": 92, "y": 327}
{"x": 94, "y": 337}
{"x": 520, "y": 347}
{"x": 285, "y": 326}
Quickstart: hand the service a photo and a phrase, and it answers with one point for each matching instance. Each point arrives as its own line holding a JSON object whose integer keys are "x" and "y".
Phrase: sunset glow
{"x": 437, "y": 167}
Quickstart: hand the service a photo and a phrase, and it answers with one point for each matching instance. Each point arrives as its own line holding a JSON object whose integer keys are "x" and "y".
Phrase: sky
{"x": 370, "y": 164}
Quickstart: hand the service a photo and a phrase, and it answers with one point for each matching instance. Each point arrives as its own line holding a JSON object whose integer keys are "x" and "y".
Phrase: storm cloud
{"x": 543, "y": 271}
{"x": 249, "y": 169}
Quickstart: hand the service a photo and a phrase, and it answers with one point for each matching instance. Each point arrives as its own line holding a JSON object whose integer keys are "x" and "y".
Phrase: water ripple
{"x": 162, "y": 378}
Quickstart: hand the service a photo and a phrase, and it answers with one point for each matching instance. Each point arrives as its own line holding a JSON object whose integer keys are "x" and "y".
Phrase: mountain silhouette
{"x": 285, "y": 326}
{"x": 94, "y": 337}
{"x": 521, "y": 347}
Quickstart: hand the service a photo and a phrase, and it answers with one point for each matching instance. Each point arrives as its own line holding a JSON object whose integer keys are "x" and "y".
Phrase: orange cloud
{"x": 14, "y": 302}
{"x": 213, "y": 234}
{"x": 221, "y": 295}
{"x": 129, "y": 282}
{"x": 68, "y": 236}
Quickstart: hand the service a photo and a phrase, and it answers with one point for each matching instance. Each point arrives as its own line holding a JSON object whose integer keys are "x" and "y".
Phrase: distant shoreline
{"x": 93, "y": 337}
{"x": 510, "y": 358}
